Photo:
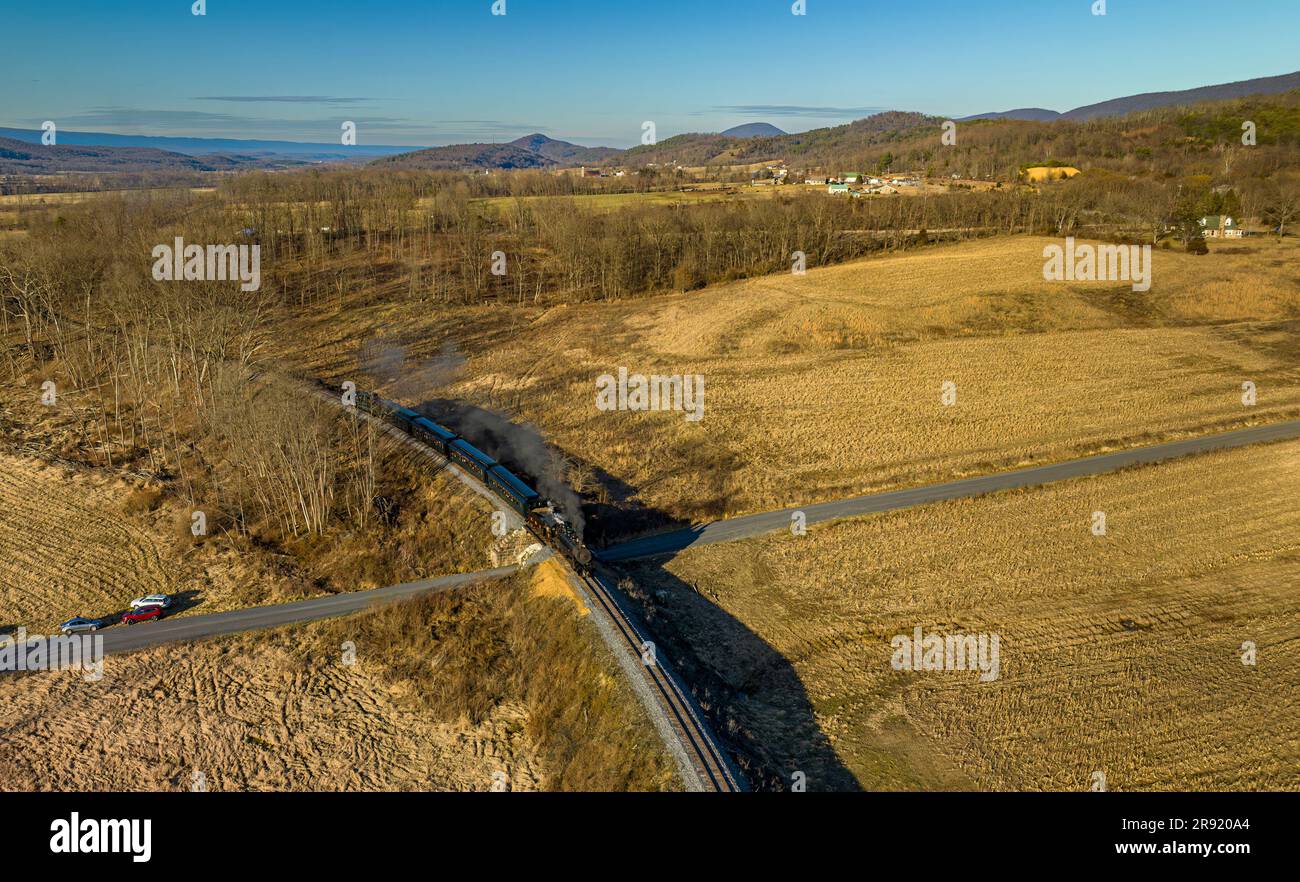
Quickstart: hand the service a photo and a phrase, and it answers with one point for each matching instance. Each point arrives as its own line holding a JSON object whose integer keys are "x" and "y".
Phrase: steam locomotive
{"x": 539, "y": 514}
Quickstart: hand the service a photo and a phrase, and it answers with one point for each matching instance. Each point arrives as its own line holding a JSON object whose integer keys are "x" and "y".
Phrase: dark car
{"x": 142, "y": 614}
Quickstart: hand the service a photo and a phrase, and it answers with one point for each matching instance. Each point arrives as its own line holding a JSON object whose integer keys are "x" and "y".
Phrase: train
{"x": 539, "y": 513}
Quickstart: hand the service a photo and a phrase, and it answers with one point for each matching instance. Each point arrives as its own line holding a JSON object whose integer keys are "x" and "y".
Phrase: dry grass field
{"x": 1119, "y": 653}
{"x": 607, "y": 202}
{"x": 434, "y": 699}
{"x": 829, "y": 384}
{"x": 80, "y": 541}
{"x": 247, "y": 716}
{"x": 69, "y": 547}
{"x": 74, "y": 197}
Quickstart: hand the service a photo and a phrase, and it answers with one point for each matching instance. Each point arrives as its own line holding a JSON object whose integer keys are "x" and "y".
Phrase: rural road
{"x": 123, "y": 638}
{"x": 754, "y": 525}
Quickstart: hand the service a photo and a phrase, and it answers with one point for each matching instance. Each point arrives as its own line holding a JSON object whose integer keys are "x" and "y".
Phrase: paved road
{"x": 767, "y": 522}
{"x": 123, "y": 638}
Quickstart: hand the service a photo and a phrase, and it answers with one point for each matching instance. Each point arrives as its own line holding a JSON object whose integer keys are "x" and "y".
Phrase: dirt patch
{"x": 549, "y": 580}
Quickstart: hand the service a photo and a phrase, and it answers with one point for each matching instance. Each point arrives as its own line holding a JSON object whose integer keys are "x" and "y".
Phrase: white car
{"x": 152, "y": 600}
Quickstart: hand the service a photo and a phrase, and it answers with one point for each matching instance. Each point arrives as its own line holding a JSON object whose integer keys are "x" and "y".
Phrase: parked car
{"x": 162, "y": 600}
{"x": 77, "y": 624}
{"x": 143, "y": 614}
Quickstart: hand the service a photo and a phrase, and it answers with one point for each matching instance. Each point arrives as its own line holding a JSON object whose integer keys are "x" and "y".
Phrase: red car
{"x": 142, "y": 614}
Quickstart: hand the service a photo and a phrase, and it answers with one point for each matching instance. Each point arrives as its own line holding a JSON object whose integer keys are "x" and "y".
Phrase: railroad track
{"x": 696, "y": 739}
{"x": 711, "y": 766}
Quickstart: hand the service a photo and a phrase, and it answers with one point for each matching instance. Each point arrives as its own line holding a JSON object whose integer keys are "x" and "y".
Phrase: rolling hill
{"x": 259, "y": 149}
{"x": 530, "y": 151}
{"x": 465, "y": 157}
{"x": 1029, "y": 114}
{"x": 810, "y": 146}
{"x": 21, "y": 158}
{"x": 753, "y": 130}
{"x": 562, "y": 152}
{"x": 1153, "y": 100}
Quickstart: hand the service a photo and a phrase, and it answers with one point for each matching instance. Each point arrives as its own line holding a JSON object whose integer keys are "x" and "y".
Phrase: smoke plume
{"x": 520, "y": 447}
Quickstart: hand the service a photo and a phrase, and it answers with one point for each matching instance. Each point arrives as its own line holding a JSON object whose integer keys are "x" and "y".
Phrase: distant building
{"x": 817, "y": 182}
{"x": 834, "y": 189}
{"x": 852, "y": 179}
{"x": 1217, "y": 226}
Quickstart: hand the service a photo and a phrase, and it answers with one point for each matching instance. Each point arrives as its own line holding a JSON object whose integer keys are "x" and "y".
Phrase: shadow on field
{"x": 751, "y": 693}
{"x": 184, "y": 600}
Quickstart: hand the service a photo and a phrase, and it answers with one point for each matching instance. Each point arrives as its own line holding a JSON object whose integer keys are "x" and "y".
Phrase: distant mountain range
{"x": 1153, "y": 100}
{"x": 752, "y": 130}
{"x": 23, "y": 158}
{"x": 530, "y": 151}
{"x": 303, "y": 151}
{"x": 711, "y": 150}
{"x": 22, "y": 153}
{"x": 1031, "y": 114}
{"x": 880, "y": 131}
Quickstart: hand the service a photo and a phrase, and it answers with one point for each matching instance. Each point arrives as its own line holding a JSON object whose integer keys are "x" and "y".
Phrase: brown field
{"x": 1119, "y": 653}
{"x": 829, "y": 385}
{"x": 74, "y": 197}
{"x": 281, "y": 710}
{"x": 42, "y": 200}
{"x": 247, "y": 717}
{"x": 610, "y": 202}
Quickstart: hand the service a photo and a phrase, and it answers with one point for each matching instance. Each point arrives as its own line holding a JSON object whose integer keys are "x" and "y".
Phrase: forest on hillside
{"x": 1166, "y": 143}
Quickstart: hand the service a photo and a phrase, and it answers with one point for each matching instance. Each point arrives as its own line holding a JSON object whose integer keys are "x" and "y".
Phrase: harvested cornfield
{"x": 1120, "y": 654}
{"x": 833, "y": 383}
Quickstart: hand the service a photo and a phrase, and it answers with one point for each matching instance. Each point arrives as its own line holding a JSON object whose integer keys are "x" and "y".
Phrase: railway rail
{"x": 712, "y": 768}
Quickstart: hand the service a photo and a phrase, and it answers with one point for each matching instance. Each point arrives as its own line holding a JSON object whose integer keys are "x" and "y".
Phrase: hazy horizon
{"x": 466, "y": 75}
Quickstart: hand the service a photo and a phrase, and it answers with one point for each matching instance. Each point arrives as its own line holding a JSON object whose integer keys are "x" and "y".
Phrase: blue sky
{"x": 448, "y": 71}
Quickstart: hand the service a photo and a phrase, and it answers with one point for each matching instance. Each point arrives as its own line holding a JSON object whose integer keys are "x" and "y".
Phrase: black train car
{"x": 539, "y": 515}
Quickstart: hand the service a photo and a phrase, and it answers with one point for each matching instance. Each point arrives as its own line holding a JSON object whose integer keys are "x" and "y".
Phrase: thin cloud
{"x": 488, "y": 125}
{"x": 284, "y": 99}
{"x": 797, "y": 110}
{"x": 226, "y": 125}
{"x": 374, "y": 129}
